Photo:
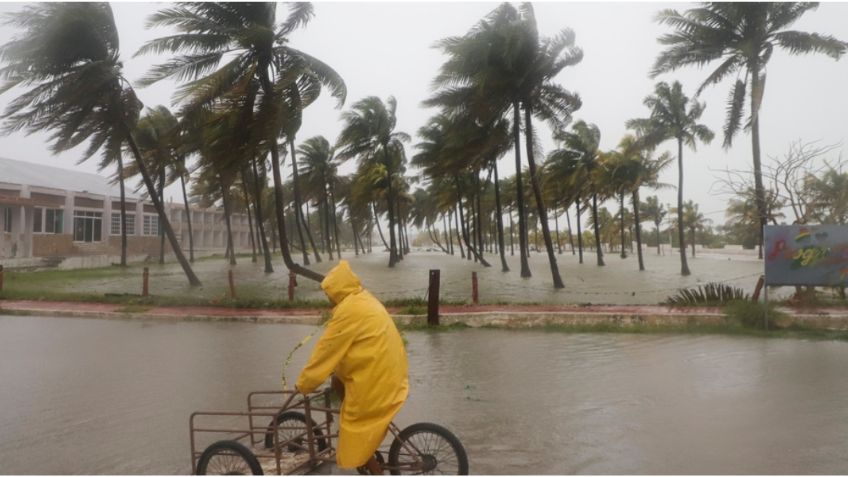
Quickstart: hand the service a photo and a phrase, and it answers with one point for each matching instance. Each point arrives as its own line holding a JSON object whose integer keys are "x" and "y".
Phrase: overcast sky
{"x": 386, "y": 49}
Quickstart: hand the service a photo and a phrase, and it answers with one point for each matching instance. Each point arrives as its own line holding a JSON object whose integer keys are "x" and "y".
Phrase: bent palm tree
{"x": 255, "y": 47}
{"x": 369, "y": 135}
{"x": 743, "y": 37}
{"x": 68, "y": 55}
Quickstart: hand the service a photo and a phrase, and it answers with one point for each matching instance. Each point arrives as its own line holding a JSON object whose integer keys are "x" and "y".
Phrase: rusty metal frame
{"x": 313, "y": 404}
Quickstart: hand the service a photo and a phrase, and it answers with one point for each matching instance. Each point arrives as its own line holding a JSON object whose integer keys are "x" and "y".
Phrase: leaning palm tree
{"x": 635, "y": 169}
{"x": 257, "y": 50}
{"x": 743, "y": 37}
{"x": 68, "y": 56}
{"x": 581, "y": 145}
{"x": 369, "y": 135}
{"x": 319, "y": 172}
{"x": 673, "y": 116}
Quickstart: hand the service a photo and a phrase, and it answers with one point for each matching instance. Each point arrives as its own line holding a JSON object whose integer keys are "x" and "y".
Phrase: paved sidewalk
{"x": 506, "y": 316}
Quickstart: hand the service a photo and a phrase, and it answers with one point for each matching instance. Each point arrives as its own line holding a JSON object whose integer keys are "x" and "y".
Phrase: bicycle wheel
{"x": 426, "y": 448}
{"x": 228, "y": 458}
{"x": 291, "y": 426}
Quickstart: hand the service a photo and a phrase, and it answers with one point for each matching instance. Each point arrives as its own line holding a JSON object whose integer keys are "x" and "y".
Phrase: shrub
{"x": 711, "y": 294}
{"x": 752, "y": 314}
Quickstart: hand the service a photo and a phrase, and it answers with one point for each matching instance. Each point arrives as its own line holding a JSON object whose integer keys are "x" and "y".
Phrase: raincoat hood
{"x": 340, "y": 282}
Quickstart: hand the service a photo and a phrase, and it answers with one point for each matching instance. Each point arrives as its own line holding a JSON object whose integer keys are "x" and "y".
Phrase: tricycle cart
{"x": 285, "y": 432}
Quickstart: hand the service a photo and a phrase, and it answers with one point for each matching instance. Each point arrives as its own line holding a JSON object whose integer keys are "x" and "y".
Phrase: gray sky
{"x": 386, "y": 49}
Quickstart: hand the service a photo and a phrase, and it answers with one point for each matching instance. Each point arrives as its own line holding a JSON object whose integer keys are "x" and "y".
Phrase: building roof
{"x": 38, "y": 175}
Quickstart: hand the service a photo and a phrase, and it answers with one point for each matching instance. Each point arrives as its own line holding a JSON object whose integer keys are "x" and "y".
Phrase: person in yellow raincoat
{"x": 364, "y": 349}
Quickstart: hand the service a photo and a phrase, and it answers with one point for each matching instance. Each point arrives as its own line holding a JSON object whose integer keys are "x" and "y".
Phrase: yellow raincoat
{"x": 363, "y": 347}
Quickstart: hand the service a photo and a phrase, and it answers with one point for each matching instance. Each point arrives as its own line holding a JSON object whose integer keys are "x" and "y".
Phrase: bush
{"x": 752, "y": 314}
{"x": 711, "y": 294}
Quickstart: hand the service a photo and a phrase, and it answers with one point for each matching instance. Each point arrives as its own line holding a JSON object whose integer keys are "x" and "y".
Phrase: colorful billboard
{"x": 814, "y": 255}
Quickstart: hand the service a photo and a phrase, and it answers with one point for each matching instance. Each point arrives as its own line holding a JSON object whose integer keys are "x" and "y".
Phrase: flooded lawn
{"x": 619, "y": 282}
{"x": 114, "y": 397}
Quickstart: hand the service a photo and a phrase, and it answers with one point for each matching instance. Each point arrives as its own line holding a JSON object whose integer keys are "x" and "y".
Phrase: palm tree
{"x": 581, "y": 146}
{"x": 248, "y": 36}
{"x": 673, "y": 117}
{"x": 743, "y": 37}
{"x": 369, "y": 135}
{"x": 654, "y": 211}
{"x": 68, "y": 55}
{"x": 693, "y": 220}
{"x": 829, "y": 193}
{"x": 319, "y": 171}
{"x": 636, "y": 168}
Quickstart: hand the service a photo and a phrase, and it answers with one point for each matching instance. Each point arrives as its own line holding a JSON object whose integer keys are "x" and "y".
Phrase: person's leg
{"x": 374, "y": 467}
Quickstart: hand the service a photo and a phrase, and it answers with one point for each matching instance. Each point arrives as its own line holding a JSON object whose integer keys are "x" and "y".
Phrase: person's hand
{"x": 338, "y": 387}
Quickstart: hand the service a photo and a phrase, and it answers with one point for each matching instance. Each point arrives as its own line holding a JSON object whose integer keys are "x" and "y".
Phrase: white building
{"x": 52, "y": 212}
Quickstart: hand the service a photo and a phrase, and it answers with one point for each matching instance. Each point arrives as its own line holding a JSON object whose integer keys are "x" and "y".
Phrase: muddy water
{"x": 94, "y": 396}
{"x": 619, "y": 282}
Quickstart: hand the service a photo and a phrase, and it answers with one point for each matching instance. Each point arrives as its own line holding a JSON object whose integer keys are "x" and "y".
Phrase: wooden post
{"x": 433, "y": 299}
{"x": 232, "y": 284}
{"x": 292, "y": 284}
{"x": 756, "y": 296}
{"x": 145, "y": 276}
{"x": 475, "y": 296}
{"x": 1, "y": 278}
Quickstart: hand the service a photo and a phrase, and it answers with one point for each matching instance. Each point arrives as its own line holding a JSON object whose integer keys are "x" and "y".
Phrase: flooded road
{"x": 98, "y": 396}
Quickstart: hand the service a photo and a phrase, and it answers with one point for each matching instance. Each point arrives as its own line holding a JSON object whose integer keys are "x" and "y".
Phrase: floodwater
{"x": 619, "y": 282}
{"x": 114, "y": 397}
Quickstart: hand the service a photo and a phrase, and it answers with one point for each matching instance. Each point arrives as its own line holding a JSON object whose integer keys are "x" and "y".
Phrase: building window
{"x": 88, "y": 226}
{"x": 54, "y": 220}
{"x": 151, "y": 225}
{"x": 37, "y": 220}
{"x": 115, "y": 225}
{"x": 7, "y": 219}
{"x": 47, "y": 221}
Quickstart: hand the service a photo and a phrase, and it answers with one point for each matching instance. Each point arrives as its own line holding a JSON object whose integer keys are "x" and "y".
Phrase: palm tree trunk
{"x": 522, "y": 226}
{"x": 188, "y": 218}
{"x": 123, "y": 211}
{"x": 327, "y": 239}
{"x": 657, "y": 229}
{"x": 638, "y": 229}
{"x": 380, "y": 229}
{"x": 537, "y": 191}
{"x": 458, "y": 232}
{"x": 393, "y": 258}
{"x": 756, "y": 98}
{"x": 448, "y": 233}
{"x": 230, "y": 245}
{"x": 511, "y": 235}
{"x": 299, "y": 210}
{"x": 479, "y": 215}
{"x": 160, "y": 209}
{"x": 399, "y": 221}
{"x": 281, "y": 227}
{"x": 579, "y": 231}
{"x": 621, "y": 200}
{"x": 684, "y": 266}
{"x": 263, "y": 241}
{"x": 596, "y": 226}
{"x": 161, "y": 193}
{"x": 335, "y": 224}
{"x": 556, "y": 225}
{"x": 249, "y": 217}
{"x": 570, "y": 235}
{"x": 499, "y": 216}
{"x": 468, "y": 245}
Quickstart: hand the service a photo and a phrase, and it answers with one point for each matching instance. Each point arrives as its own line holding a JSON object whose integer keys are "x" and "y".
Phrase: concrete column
{"x": 68, "y": 215}
{"x": 107, "y": 219}
{"x": 139, "y": 217}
